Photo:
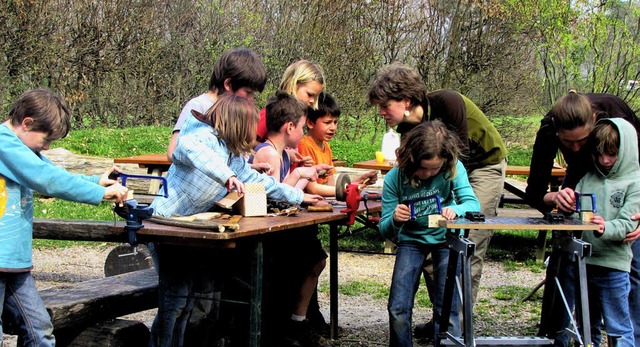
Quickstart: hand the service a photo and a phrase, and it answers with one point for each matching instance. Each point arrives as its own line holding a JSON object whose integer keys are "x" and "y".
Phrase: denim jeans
{"x": 404, "y": 285}
{"x": 23, "y": 307}
{"x": 487, "y": 183}
{"x": 609, "y": 303}
{"x": 634, "y": 294}
{"x": 186, "y": 294}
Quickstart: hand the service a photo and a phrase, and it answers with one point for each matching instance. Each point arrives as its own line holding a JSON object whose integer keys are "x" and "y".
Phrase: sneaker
{"x": 300, "y": 334}
{"x": 424, "y": 331}
{"x": 324, "y": 329}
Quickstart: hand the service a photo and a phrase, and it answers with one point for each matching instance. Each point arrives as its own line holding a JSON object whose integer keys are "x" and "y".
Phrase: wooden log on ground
{"x": 114, "y": 333}
{"x": 74, "y": 230}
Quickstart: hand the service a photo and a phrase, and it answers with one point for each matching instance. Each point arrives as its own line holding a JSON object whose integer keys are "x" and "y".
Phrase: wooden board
{"x": 518, "y": 223}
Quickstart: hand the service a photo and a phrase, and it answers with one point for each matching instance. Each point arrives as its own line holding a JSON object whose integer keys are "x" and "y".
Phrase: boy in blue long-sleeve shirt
{"x": 36, "y": 119}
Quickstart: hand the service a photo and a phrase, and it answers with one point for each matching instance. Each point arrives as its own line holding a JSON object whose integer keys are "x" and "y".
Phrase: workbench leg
{"x": 467, "y": 302}
{"x": 333, "y": 281}
{"x": 584, "y": 302}
{"x": 460, "y": 250}
{"x": 255, "y": 306}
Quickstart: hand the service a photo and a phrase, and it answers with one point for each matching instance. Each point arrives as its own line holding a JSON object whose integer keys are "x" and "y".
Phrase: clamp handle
{"x": 579, "y": 196}
{"x": 411, "y": 204}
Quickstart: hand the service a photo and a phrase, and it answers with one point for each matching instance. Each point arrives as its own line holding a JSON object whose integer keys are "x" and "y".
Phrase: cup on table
{"x": 379, "y": 157}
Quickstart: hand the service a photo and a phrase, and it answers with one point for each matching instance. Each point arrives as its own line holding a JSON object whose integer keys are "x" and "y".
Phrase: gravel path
{"x": 364, "y": 316}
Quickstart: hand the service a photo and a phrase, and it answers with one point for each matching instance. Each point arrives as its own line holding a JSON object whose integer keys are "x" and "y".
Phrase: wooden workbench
{"x": 252, "y": 231}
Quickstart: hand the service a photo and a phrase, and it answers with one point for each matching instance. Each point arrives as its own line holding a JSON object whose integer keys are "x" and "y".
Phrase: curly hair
{"x": 427, "y": 141}
{"x": 398, "y": 82}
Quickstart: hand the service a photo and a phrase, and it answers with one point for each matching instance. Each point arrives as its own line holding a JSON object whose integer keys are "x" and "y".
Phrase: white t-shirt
{"x": 201, "y": 104}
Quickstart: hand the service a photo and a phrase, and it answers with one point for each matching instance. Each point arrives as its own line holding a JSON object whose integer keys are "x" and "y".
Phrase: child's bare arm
{"x": 368, "y": 178}
{"x": 269, "y": 156}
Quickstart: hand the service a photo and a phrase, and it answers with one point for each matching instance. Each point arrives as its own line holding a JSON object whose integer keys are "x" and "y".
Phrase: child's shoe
{"x": 300, "y": 334}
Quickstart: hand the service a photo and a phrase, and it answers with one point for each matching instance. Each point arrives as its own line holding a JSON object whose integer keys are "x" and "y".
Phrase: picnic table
{"x": 251, "y": 233}
{"x": 157, "y": 164}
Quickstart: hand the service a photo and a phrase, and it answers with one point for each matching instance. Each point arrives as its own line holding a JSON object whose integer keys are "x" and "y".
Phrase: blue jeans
{"x": 634, "y": 294}
{"x": 185, "y": 293}
{"x": 404, "y": 285}
{"x": 23, "y": 306}
{"x": 609, "y": 303}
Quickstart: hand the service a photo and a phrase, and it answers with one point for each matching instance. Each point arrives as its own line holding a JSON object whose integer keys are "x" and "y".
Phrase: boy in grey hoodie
{"x": 615, "y": 181}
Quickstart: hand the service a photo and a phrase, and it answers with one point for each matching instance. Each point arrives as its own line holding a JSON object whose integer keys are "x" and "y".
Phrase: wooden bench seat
{"x": 74, "y": 307}
{"x": 101, "y": 299}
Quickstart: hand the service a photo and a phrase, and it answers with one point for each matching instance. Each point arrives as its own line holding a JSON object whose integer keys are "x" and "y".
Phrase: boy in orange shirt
{"x": 322, "y": 125}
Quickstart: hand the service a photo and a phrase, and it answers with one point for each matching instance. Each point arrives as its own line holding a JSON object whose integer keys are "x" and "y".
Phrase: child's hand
{"x": 565, "y": 199}
{"x": 312, "y": 199}
{"x": 116, "y": 192}
{"x": 262, "y": 168}
{"x": 323, "y": 169}
{"x": 296, "y": 157}
{"x": 234, "y": 182}
{"x": 600, "y": 221}
{"x": 448, "y": 213}
{"x": 634, "y": 235}
{"x": 368, "y": 178}
{"x": 104, "y": 178}
{"x": 402, "y": 213}
{"x": 308, "y": 173}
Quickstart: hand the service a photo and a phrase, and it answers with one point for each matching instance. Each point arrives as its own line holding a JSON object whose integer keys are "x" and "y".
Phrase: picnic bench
{"x": 86, "y": 313}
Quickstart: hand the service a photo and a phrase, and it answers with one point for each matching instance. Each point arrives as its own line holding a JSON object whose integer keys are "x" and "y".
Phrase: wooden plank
{"x": 519, "y": 212}
{"x": 374, "y": 165}
{"x": 88, "y": 302}
{"x": 145, "y": 160}
{"x": 525, "y": 170}
{"x": 518, "y": 223}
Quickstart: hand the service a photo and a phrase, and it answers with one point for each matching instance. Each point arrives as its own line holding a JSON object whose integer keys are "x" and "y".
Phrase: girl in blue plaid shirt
{"x": 208, "y": 162}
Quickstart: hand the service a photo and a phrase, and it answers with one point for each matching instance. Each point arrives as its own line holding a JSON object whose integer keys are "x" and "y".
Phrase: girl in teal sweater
{"x": 428, "y": 165}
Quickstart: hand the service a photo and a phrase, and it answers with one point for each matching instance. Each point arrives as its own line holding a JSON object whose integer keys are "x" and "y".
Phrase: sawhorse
{"x": 461, "y": 248}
